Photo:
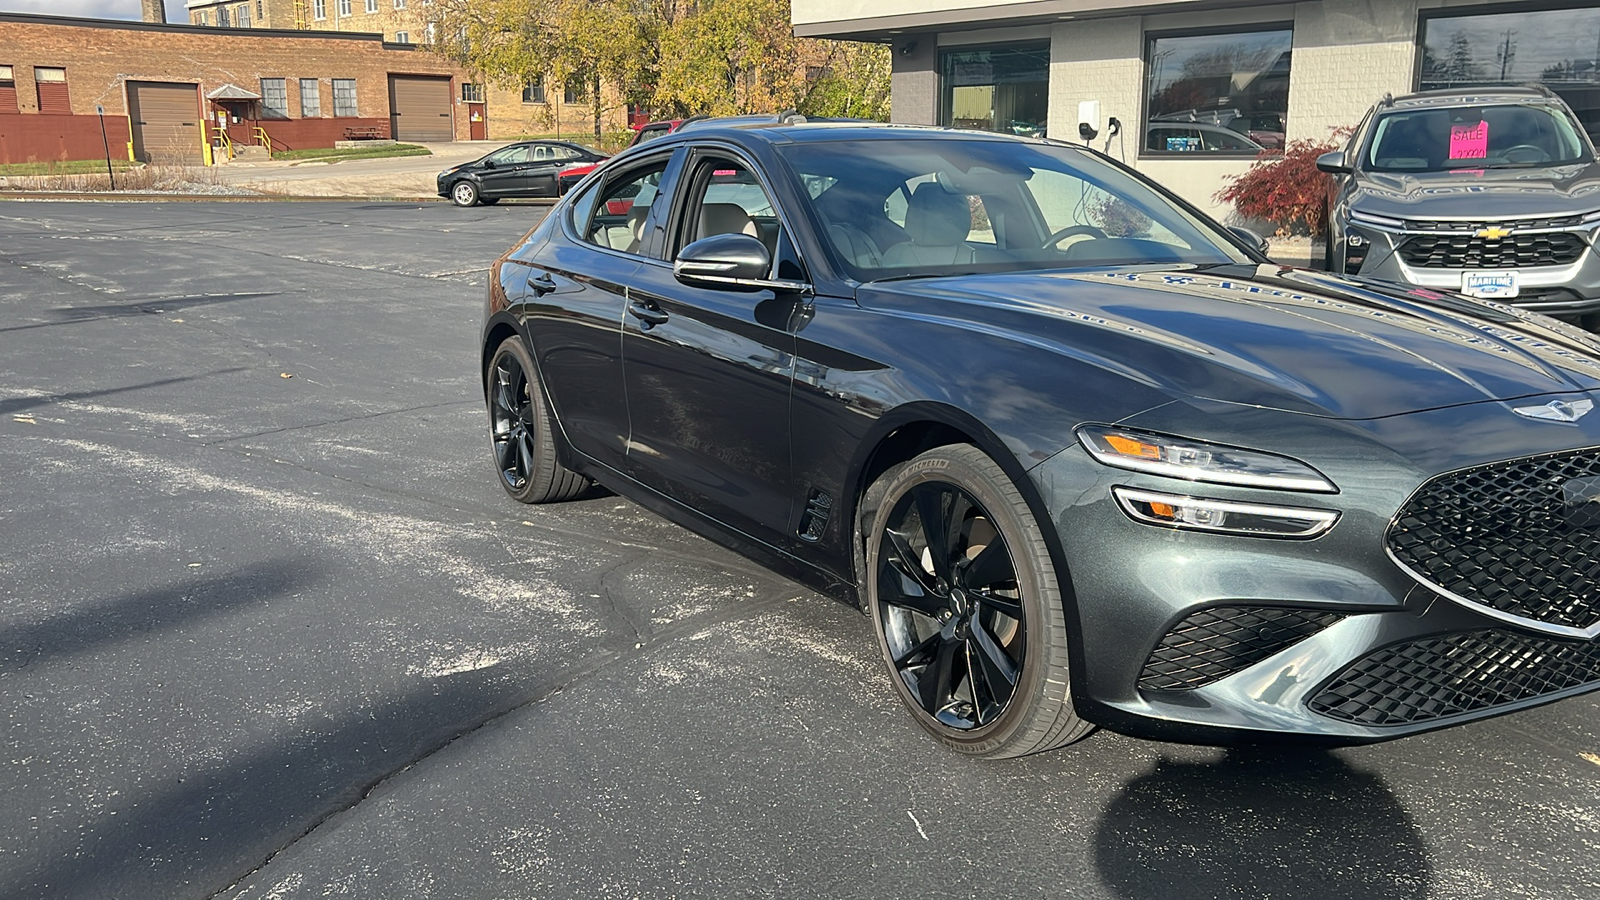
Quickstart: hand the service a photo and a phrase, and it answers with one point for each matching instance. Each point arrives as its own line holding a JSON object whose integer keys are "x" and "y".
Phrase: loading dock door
{"x": 166, "y": 122}
{"x": 419, "y": 108}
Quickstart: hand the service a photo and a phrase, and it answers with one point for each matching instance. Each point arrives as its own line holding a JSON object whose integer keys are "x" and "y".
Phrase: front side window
{"x": 1217, "y": 93}
{"x": 617, "y": 220}
{"x": 274, "y": 98}
{"x": 1507, "y": 135}
{"x": 344, "y": 97}
{"x": 310, "y": 99}
{"x": 1557, "y": 47}
{"x": 897, "y": 208}
{"x": 509, "y": 156}
{"x": 1004, "y": 89}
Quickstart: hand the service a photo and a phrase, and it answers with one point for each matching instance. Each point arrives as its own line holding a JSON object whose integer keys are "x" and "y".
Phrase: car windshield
{"x": 1474, "y": 137}
{"x": 916, "y": 207}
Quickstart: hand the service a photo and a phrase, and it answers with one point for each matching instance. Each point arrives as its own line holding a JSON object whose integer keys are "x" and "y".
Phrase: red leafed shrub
{"x": 1285, "y": 188}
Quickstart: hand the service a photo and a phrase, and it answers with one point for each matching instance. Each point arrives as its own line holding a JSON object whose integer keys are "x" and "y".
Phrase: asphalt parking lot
{"x": 270, "y": 629}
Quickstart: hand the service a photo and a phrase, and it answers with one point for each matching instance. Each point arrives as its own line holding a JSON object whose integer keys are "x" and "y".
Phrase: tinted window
{"x": 893, "y": 208}
{"x": 730, "y": 200}
{"x": 510, "y": 156}
{"x": 1559, "y": 47}
{"x": 1502, "y": 135}
{"x": 1237, "y": 82}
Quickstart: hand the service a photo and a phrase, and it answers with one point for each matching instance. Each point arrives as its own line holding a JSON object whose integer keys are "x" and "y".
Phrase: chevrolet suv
{"x": 1490, "y": 192}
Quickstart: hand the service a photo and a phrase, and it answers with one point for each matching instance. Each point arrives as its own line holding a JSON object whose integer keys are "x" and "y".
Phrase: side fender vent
{"x": 814, "y": 521}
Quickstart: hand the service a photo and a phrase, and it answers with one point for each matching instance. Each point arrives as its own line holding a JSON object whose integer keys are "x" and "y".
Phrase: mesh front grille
{"x": 1474, "y": 227}
{"x": 1521, "y": 537}
{"x": 1468, "y": 251}
{"x": 1453, "y": 674}
{"x": 1214, "y": 643}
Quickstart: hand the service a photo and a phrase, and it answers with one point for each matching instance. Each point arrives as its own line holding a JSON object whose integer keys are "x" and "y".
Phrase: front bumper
{"x": 1570, "y": 289}
{"x": 1216, "y": 639}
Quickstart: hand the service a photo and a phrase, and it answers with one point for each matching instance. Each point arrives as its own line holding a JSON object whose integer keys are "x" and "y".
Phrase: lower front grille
{"x": 1214, "y": 643}
{"x": 1454, "y": 674}
{"x": 1517, "y": 251}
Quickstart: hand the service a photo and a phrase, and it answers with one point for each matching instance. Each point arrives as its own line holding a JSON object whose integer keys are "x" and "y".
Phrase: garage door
{"x": 166, "y": 122}
{"x": 420, "y": 108}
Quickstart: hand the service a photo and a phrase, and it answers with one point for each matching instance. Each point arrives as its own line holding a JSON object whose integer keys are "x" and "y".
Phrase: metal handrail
{"x": 264, "y": 139}
{"x": 227, "y": 142}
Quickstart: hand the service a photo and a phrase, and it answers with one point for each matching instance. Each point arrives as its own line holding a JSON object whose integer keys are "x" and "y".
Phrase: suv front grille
{"x": 1519, "y": 537}
{"x": 1468, "y": 251}
{"x": 1453, "y": 674}
{"x": 1214, "y": 643}
{"x": 1471, "y": 227}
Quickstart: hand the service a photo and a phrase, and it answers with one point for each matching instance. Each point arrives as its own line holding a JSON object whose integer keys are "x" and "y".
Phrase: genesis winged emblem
{"x": 1557, "y": 410}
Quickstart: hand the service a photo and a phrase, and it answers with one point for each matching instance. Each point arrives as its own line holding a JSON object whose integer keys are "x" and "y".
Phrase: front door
{"x": 708, "y": 371}
{"x": 477, "y": 122}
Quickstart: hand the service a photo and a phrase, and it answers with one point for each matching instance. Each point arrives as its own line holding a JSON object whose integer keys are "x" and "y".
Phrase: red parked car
{"x": 572, "y": 176}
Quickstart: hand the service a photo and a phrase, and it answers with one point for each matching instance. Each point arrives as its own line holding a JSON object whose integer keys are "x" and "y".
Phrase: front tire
{"x": 967, "y": 608}
{"x": 521, "y": 431}
{"x": 464, "y": 193}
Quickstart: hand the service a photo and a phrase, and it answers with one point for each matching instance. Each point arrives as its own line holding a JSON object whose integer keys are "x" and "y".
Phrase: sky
{"x": 93, "y": 9}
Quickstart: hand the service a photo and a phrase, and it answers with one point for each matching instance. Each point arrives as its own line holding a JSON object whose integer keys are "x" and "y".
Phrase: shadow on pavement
{"x": 72, "y": 315}
{"x": 87, "y": 628}
{"x": 18, "y": 404}
{"x": 1298, "y": 825}
{"x": 194, "y": 833}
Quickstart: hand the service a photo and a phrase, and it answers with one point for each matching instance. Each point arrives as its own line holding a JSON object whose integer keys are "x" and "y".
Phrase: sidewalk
{"x": 402, "y": 177}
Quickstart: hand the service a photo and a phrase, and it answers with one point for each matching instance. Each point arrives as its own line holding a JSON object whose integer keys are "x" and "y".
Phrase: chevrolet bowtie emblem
{"x": 1557, "y": 410}
{"x": 1493, "y": 233}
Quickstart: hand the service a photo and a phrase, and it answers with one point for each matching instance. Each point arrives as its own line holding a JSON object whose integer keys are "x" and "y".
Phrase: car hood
{"x": 1268, "y": 336}
{"x": 1479, "y": 193}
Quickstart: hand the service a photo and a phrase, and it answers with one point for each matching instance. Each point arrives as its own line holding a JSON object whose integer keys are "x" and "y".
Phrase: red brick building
{"x": 170, "y": 92}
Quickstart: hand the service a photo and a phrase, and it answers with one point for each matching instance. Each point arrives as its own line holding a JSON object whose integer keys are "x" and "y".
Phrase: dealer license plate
{"x": 1489, "y": 285}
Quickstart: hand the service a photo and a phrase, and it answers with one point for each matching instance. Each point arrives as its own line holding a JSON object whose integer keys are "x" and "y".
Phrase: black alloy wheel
{"x": 464, "y": 193}
{"x": 521, "y": 432}
{"x": 967, "y": 606}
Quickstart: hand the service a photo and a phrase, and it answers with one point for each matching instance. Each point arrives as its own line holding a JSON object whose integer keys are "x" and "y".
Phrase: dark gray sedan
{"x": 1082, "y": 455}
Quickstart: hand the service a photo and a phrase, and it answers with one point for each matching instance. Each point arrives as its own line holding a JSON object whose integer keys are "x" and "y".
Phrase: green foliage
{"x": 381, "y": 151}
{"x": 1286, "y": 188}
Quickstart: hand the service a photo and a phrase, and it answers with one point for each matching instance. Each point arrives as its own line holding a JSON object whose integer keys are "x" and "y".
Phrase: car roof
{"x": 793, "y": 129}
{"x": 1479, "y": 96}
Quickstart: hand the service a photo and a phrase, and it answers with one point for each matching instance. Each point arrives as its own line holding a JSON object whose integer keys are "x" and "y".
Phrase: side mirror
{"x": 730, "y": 262}
{"x": 1333, "y": 163}
{"x": 490, "y": 164}
{"x": 1250, "y": 237}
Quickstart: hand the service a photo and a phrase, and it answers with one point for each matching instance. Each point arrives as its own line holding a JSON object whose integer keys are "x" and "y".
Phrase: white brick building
{"x": 1199, "y": 86}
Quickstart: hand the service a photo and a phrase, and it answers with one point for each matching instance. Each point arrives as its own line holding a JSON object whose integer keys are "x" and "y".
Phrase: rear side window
{"x": 616, "y": 218}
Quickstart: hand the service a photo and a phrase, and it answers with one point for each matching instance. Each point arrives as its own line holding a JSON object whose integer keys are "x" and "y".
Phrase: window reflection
{"x": 1003, "y": 89}
{"x": 1559, "y": 47}
{"x": 1218, "y": 93}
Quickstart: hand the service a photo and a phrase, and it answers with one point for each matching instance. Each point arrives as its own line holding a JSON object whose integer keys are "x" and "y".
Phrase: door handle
{"x": 542, "y": 285}
{"x": 649, "y": 315}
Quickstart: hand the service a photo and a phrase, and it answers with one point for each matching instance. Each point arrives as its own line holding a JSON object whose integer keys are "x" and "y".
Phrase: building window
{"x": 1558, "y": 47}
{"x": 224, "y": 17}
{"x": 574, "y": 92}
{"x": 244, "y": 16}
{"x": 533, "y": 91}
{"x": 372, "y": 6}
{"x": 344, "y": 7}
{"x": 431, "y": 34}
{"x": 402, "y": 37}
{"x": 8, "y": 91}
{"x": 310, "y": 99}
{"x": 1005, "y": 89}
{"x": 51, "y": 86}
{"x": 399, "y": 4}
{"x": 471, "y": 93}
{"x": 205, "y": 18}
{"x": 319, "y": 9}
{"x": 344, "y": 97}
{"x": 1217, "y": 93}
{"x": 274, "y": 98}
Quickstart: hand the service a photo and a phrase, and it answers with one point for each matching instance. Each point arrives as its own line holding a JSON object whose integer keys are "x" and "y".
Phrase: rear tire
{"x": 974, "y": 634}
{"x": 522, "y": 433}
{"x": 464, "y": 193}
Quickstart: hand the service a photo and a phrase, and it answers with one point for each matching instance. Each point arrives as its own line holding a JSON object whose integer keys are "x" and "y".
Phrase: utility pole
{"x": 106, "y": 143}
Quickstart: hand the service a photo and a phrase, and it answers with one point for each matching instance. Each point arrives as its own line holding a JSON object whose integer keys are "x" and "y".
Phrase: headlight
{"x": 1224, "y": 516}
{"x": 1175, "y": 457}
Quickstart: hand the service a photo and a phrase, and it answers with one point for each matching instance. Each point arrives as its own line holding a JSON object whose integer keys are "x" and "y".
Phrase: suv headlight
{"x": 1176, "y": 457}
